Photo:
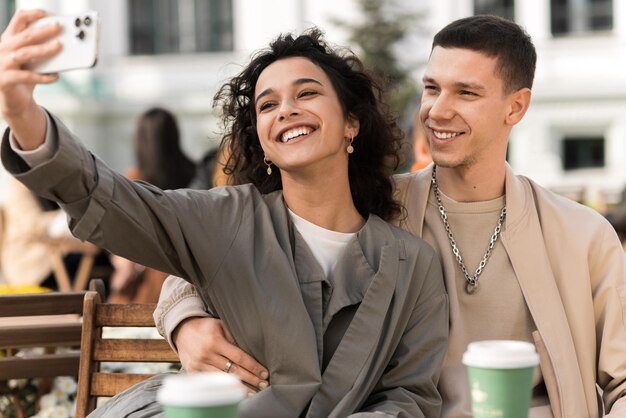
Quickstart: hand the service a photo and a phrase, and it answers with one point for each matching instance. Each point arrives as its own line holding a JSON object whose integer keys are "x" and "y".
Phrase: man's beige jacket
{"x": 572, "y": 270}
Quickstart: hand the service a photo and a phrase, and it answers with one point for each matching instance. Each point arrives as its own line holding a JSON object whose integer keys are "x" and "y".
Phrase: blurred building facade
{"x": 573, "y": 139}
{"x": 173, "y": 53}
{"x": 176, "y": 53}
{"x": 574, "y": 136}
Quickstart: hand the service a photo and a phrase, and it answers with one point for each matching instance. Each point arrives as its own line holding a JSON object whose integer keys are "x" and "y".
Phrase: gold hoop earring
{"x": 268, "y": 163}
{"x": 350, "y": 148}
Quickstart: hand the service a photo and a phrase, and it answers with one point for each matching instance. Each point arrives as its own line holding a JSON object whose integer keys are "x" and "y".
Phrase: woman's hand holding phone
{"x": 21, "y": 44}
{"x": 79, "y": 38}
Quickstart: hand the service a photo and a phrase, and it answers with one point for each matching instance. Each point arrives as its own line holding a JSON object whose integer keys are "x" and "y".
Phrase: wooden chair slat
{"x": 36, "y": 335}
{"x": 92, "y": 383}
{"x": 85, "y": 403}
{"x": 45, "y": 365}
{"x": 110, "y": 384}
{"x": 138, "y": 350}
{"x": 129, "y": 315}
{"x": 52, "y": 303}
{"x": 49, "y": 320}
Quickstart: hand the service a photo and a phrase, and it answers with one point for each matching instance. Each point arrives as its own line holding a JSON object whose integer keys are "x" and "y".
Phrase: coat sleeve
{"x": 608, "y": 276}
{"x": 178, "y": 301}
{"x": 25, "y": 258}
{"x": 182, "y": 232}
{"x": 408, "y": 387}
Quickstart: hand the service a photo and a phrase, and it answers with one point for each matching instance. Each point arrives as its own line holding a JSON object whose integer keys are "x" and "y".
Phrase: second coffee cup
{"x": 500, "y": 377}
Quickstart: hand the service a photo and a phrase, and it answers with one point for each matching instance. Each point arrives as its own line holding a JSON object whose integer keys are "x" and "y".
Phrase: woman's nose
{"x": 287, "y": 109}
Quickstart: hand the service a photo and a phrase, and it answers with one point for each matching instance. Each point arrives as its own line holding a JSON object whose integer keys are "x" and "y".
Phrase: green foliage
{"x": 375, "y": 38}
{"x": 22, "y": 391}
{"x": 25, "y": 392}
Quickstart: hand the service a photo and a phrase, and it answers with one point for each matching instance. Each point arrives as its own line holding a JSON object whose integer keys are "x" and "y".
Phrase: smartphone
{"x": 79, "y": 37}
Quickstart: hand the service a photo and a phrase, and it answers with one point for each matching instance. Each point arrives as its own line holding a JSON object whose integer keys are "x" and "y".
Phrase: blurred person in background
{"x": 206, "y": 170}
{"x": 210, "y": 171}
{"x": 30, "y": 224}
{"x": 160, "y": 161}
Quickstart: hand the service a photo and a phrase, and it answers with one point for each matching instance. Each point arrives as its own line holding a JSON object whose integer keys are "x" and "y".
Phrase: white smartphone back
{"x": 79, "y": 38}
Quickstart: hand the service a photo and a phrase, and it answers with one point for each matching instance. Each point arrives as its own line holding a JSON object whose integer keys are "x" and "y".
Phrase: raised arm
{"x": 164, "y": 230}
{"x": 20, "y": 44}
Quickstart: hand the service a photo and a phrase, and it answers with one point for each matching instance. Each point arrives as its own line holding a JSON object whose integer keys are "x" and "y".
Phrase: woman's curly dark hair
{"x": 376, "y": 147}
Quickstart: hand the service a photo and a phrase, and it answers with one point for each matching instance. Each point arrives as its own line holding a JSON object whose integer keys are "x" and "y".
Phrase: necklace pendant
{"x": 470, "y": 288}
{"x": 471, "y": 284}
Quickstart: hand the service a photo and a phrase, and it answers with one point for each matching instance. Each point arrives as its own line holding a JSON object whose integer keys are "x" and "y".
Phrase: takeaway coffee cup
{"x": 201, "y": 395}
{"x": 500, "y": 377}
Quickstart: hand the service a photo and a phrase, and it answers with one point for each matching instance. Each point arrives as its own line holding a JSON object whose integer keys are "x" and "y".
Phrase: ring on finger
{"x": 229, "y": 364}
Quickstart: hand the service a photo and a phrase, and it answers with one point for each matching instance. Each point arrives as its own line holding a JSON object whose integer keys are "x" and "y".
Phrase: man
{"x": 549, "y": 271}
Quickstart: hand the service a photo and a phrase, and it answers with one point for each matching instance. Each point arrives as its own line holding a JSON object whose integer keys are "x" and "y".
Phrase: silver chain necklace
{"x": 471, "y": 282}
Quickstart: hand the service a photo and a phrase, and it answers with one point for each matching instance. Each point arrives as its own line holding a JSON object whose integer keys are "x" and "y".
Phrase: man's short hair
{"x": 495, "y": 37}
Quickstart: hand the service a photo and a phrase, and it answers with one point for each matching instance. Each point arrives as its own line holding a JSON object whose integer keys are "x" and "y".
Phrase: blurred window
{"x": 180, "y": 26}
{"x": 583, "y": 152}
{"x": 502, "y": 8}
{"x": 7, "y": 8}
{"x": 576, "y": 16}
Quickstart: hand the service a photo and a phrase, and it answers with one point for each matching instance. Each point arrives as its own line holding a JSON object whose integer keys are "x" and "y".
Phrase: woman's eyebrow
{"x": 301, "y": 81}
{"x": 297, "y": 82}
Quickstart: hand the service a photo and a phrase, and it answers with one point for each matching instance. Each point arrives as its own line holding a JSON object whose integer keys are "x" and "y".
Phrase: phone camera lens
{"x": 81, "y": 35}
{"x": 87, "y": 21}
{"x": 77, "y": 23}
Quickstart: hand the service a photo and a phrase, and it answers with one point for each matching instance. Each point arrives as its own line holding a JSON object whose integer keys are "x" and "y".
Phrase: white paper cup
{"x": 201, "y": 395}
{"x": 500, "y": 376}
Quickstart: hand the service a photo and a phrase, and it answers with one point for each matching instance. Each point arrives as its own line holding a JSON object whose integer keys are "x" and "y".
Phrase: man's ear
{"x": 352, "y": 126}
{"x": 519, "y": 102}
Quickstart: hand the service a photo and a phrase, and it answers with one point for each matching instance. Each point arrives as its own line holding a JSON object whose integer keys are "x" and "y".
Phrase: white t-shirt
{"x": 326, "y": 245}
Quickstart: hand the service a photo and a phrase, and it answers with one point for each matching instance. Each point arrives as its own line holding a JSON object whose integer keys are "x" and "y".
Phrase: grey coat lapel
{"x": 362, "y": 335}
{"x": 288, "y": 395}
{"x": 350, "y": 278}
{"x": 310, "y": 276}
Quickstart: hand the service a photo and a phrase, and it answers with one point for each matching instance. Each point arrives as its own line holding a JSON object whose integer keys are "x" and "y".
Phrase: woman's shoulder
{"x": 408, "y": 242}
{"x": 242, "y": 190}
{"x": 233, "y": 200}
{"x": 249, "y": 191}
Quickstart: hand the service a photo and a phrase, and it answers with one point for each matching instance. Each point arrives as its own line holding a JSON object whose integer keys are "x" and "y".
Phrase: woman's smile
{"x": 291, "y": 134}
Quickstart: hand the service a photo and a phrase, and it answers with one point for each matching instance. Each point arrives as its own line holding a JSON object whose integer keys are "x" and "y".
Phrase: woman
{"x": 160, "y": 161}
{"x": 348, "y": 312}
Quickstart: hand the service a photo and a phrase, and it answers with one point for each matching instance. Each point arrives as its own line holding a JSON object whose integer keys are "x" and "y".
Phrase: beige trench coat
{"x": 572, "y": 271}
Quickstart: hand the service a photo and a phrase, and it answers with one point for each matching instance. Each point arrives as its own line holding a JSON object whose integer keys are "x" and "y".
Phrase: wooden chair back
{"x": 49, "y": 321}
{"x": 94, "y": 383}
